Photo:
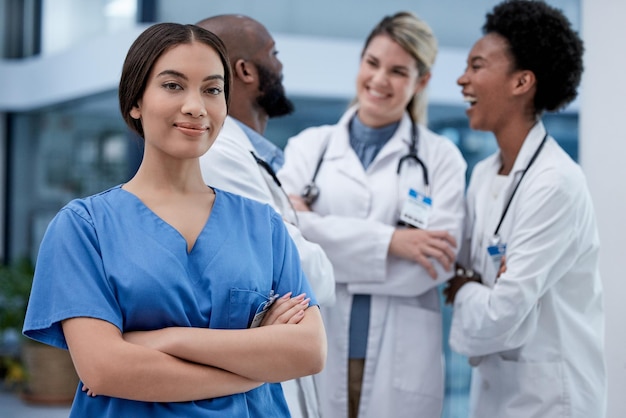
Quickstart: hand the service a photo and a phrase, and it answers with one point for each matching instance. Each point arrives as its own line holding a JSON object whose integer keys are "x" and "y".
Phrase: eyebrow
{"x": 184, "y": 77}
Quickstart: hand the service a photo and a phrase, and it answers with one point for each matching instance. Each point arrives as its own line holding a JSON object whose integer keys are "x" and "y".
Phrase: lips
{"x": 469, "y": 99}
{"x": 191, "y": 129}
{"x": 376, "y": 93}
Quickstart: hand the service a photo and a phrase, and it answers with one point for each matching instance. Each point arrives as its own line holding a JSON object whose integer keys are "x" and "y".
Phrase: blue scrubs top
{"x": 110, "y": 257}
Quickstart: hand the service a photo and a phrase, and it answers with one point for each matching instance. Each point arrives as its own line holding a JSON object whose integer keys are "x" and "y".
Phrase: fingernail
{"x": 305, "y": 301}
{"x": 286, "y": 295}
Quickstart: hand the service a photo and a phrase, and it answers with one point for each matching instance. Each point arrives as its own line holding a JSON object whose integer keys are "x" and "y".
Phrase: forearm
{"x": 269, "y": 353}
{"x": 364, "y": 242}
{"x": 109, "y": 366}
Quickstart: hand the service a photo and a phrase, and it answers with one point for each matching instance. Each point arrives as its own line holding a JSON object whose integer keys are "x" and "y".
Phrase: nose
{"x": 462, "y": 80}
{"x": 194, "y": 105}
{"x": 379, "y": 76}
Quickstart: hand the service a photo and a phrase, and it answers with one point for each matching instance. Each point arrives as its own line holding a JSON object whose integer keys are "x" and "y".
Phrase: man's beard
{"x": 272, "y": 98}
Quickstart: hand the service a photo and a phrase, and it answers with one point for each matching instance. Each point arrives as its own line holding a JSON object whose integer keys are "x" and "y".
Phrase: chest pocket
{"x": 243, "y": 305}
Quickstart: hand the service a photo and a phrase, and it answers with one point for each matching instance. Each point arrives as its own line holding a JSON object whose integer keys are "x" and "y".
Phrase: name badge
{"x": 416, "y": 210}
{"x": 496, "y": 251}
{"x": 262, "y": 310}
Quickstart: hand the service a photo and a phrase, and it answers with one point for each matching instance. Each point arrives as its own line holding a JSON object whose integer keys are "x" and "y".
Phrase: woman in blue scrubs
{"x": 159, "y": 287}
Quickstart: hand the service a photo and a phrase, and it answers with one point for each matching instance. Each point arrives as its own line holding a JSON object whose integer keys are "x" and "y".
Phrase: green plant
{"x": 15, "y": 284}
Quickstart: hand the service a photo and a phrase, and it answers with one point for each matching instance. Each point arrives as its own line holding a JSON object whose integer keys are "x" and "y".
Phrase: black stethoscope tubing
{"x": 311, "y": 191}
{"x": 412, "y": 154}
{"x": 508, "y": 204}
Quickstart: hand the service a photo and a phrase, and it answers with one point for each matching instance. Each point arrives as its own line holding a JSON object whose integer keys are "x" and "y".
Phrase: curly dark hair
{"x": 541, "y": 40}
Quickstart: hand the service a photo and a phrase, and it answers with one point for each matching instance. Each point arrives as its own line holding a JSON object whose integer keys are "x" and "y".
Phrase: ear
{"x": 524, "y": 81}
{"x": 421, "y": 83}
{"x": 135, "y": 112}
{"x": 245, "y": 71}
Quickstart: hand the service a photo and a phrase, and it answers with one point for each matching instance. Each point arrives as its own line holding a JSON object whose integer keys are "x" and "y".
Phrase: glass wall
{"x": 68, "y": 22}
{"x": 57, "y": 154}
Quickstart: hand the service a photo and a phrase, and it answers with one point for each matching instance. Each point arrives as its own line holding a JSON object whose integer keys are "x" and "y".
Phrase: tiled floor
{"x": 11, "y": 406}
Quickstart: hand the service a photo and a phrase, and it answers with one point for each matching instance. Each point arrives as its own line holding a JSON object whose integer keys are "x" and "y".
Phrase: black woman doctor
{"x": 533, "y": 327}
{"x": 388, "y": 213}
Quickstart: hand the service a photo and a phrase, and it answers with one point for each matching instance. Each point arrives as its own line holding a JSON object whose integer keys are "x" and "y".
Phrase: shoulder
{"x": 313, "y": 135}
{"x": 441, "y": 146}
{"x": 316, "y": 137}
{"x": 86, "y": 206}
{"x": 236, "y": 203}
{"x": 249, "y": 214}
{"x": 83, "y": 214}
{"x": 555, "y": 168}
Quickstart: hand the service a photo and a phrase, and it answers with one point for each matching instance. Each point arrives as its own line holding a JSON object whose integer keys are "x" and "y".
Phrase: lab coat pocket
{"x": 418, "y": 363}
{"x": 243, "y": 305}
{"x": 522, "y": 390}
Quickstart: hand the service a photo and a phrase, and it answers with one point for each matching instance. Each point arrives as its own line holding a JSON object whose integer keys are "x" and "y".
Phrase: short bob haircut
{"x": 541, "y": 40}
{"x": 146, "y": 50}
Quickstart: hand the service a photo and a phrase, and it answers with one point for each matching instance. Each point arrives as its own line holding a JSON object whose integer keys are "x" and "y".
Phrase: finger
{"x": 279, "y": 308}
{"x": 297, "y": 317}
{"x": 441, "y": 256}
{"x": 424, "y": 262}
{"x": 445, "y": 248}
{"x": 443, "y": 236}
{"x": 286, "y": 317}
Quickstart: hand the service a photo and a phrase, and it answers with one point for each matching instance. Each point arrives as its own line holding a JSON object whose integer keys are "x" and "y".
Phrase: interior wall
{"x": 3, "y": 170}
{"x": 603, "y": 149}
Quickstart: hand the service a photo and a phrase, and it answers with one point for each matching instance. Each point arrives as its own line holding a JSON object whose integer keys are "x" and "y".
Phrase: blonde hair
{"x": 418, "y": 40}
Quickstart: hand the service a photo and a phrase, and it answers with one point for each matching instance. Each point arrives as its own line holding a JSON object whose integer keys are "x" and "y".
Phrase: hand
{"x": 298, "y": 203}
{"x": 287, "y": 310}
{"x": 461, "y": 277}
{"x": 89, "y": 392}
{"x": 420, "y": 246}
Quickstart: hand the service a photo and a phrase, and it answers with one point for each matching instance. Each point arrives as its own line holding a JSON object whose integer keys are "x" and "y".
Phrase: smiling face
{"x": 183, "y": 106}
{"x": 489, "y": 84}
{"x": 387, "y": 80}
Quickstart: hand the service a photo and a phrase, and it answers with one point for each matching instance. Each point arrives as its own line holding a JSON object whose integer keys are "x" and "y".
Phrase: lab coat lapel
{"x": 341, "y": 155}
{"x": 530, "y": 145}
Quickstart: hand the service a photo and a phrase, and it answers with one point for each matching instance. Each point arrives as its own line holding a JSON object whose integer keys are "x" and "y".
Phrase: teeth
{"x": 469, "y": 99}
{"x": 376, "y": 93}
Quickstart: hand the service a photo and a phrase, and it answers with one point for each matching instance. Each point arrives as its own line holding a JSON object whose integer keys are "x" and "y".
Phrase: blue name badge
{"x": 496, "y": 252}
{"x": 416, "y": 209}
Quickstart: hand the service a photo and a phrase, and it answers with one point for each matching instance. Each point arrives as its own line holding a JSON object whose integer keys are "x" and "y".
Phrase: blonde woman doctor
{"x": 383, "y": 196}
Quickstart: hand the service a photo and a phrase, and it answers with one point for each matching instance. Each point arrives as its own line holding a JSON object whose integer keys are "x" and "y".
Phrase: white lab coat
{"x": 536, "y": 334}
{"x": 230, "y": 166}
{"x": 354, "y": 219}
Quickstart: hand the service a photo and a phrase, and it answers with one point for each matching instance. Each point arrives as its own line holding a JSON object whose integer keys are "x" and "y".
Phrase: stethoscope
{"x": 268, "y": 168}
{"x": 496, "y": 239}
{"x": 311, "y": 192}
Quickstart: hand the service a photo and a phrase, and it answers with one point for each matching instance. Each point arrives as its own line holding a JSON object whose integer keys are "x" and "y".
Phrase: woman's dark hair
{"x": 147, "y": 49}
{"x": 541, "y": 40}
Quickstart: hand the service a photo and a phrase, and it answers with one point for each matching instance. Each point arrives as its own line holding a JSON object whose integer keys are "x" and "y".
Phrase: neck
{"x": 254, "y": 118}
{"x": 510, "y": 142}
